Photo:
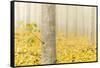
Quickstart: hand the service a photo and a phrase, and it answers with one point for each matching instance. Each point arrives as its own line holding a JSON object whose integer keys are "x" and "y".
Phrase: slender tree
{"x": 83, "y": 21}
{"x": 93, "y": 21}
{"x": 48, "y": 34}
{"x": 75, "y": 19}
{"x": 27, "y": 13}
{"x": 67, "y": 21}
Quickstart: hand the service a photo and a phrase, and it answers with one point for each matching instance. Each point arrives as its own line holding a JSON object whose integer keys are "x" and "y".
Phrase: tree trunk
{"x": 93, "y": 25}
{"x": 48, "y": 34}
{"x": 27, "y": 13}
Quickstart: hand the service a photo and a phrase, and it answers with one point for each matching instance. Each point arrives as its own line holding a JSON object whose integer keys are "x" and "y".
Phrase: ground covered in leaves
{"x": 68, "y": 49}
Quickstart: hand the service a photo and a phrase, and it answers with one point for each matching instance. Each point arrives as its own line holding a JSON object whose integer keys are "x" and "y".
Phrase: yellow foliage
{"x": 27, "y": 45}
{"x": 74, "y": 49}
{"x": 68, "y": 49}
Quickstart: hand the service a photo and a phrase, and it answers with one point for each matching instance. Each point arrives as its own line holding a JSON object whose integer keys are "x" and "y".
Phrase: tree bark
{"x": 48, "y": 34}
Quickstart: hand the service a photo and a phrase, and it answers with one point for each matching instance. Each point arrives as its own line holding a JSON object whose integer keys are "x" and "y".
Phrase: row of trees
{"x": 78, "y": 20}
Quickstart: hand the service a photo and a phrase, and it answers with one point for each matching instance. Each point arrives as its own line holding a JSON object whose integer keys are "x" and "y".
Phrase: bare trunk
{"x": 27, "y": 13}
{"x": 93, "y": 25}
{"x": 48, "y": 34}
